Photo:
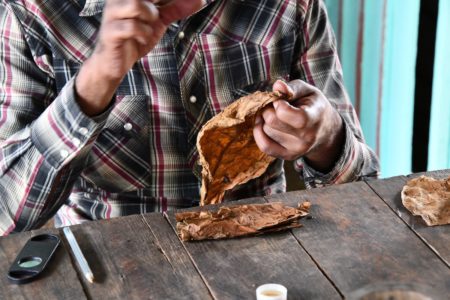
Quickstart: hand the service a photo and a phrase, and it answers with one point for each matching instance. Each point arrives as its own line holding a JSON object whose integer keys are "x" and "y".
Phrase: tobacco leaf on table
{"x": 239, "y": 220}
{"x": 429, "y": 198}
{"x": 228, "y": 152}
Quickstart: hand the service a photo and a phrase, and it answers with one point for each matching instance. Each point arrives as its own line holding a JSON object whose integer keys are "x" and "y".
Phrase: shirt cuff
{"x": 64, "y": 130}
{"x": 345, "y": 169}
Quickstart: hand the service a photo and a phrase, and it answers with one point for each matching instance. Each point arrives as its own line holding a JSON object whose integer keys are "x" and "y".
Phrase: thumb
{"x": 178, "y": 9}
{"x": 295, "y": 89}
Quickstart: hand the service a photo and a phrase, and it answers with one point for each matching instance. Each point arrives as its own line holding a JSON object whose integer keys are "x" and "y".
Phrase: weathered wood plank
{"x": 58, "y": 281}
{"x": 136, "y": 258}
{"x": 437, "y": 237}
{"x": 234, "y": 268}
{"x": 438, "y": 174}
{"x": 188, "y": 281}
{"x": 357, "y": 240}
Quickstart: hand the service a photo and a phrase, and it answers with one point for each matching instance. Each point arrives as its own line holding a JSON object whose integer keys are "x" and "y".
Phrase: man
{"x": 101, "y": 102}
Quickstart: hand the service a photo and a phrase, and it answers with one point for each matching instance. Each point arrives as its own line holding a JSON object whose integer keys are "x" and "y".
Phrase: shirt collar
{"x": 94, "y": 7}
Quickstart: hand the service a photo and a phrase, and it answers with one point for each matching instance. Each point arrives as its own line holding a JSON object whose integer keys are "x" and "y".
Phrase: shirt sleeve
{"x": 318, "y": 64}
{"x": 44, "y": 138}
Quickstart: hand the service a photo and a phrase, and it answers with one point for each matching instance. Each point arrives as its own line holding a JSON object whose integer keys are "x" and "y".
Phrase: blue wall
{"x": 377, "y": 41}
{"x": 402, "y": 24}
{"x": 439, "y": 147}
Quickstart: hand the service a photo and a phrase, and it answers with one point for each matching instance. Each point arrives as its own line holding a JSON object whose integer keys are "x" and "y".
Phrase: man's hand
{"x": 306, "y": 125}
{"x": 129, "y": 30}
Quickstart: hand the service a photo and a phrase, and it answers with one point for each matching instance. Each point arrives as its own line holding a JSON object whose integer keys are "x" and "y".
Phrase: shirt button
{"x": 63, "y": 153}
{"x": 76, "y": 142}
{"x": 128, "y": 126}
{"x": 181, "y": 35}
{"x": 193, "y": 99}
{"x": 83, "y": 131}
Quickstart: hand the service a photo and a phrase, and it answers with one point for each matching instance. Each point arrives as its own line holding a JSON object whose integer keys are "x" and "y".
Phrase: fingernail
{"x": 152, "y": 6}
{"x": 289, "y": 90}
{"x": 278, "y": 82}
{"x": 141, "y": 41}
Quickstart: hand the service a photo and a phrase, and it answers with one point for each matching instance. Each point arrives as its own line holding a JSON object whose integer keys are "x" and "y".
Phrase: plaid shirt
{"x": 140, "y": 156}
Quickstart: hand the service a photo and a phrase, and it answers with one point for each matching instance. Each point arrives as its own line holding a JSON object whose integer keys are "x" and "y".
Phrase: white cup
{"x": 271, "y": 291}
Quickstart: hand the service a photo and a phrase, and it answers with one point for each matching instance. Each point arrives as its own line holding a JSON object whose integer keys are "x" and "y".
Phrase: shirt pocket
{"x": 119, "y": 159}
{"x": 233, "y": 68}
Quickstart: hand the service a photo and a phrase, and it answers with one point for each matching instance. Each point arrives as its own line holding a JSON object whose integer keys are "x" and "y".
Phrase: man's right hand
{"x": 129, "y": 30}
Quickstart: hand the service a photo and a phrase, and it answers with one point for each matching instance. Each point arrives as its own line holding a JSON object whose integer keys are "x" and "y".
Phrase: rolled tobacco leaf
{"x": 228, "y": 152}
{"x": 239, "y": 220}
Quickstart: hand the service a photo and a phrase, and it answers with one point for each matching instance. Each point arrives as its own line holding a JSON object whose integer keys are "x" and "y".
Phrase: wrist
{"x": 325, "y": 155}
{"x": 94, "y": 91}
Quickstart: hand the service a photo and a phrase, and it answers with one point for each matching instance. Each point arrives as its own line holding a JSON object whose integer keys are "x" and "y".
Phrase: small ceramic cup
{"x": 271, "y": 291}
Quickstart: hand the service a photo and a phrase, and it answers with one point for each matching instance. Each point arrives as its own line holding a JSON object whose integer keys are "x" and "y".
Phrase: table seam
{"x": 166, "y": 218}
{"x": 316, "y": 263}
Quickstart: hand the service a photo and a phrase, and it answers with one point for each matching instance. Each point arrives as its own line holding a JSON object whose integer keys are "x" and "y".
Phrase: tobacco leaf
{"x": 429, "y": 198}
{"x": 228, "y": 152}
{"x": 239, "y": 220}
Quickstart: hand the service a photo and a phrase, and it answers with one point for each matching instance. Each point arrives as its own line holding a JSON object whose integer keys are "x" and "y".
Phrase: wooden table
{"x": 360, "y": 236}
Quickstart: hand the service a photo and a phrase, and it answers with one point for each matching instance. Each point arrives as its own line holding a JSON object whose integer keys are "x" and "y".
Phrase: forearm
{"x": 324, "y": 157}
{"x": 45, "y": 138}
{"x": 356, "y": 162}
{"x": 32, "y": 191}
{"x": 41, "y": 162}
{"x": 94, "y": 91}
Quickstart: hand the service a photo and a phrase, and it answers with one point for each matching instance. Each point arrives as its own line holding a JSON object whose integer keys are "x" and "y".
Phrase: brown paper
{"x": 429, "y": 198}
{"x": 239, "y": 220}
{"x": 228, "y": 152}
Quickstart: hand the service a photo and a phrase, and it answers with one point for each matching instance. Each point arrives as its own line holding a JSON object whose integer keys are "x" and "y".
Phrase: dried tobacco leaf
{"x": 228, "y": 152}
{"x": 429, "y": 198}
{"x": 239, "y": 220}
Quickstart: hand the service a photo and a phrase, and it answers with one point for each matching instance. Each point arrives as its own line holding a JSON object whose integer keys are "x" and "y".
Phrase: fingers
{"x": 130, "y": 29}
{"x": 296, "y": 117}
{"x": 295, "y": 89}
{"x": 304, "y": 107}
{"x": 276, "y": 143}
{"x": 282, "y": 138}
{"x": 179, "y": 9}
{"x": 290, "y": 128}
{"x": 271, "y": 119}
{"x": 131, "y": 9}
{"x": 265, "y": 144}
{"x": 129, "y": 20}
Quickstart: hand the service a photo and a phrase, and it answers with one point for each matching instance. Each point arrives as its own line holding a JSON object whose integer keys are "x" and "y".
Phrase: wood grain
{"x": 437, "y": 237}
{"x": 358, "y": 240}
{"x": 234, "y": 268}
{"x": 360, "y": 237}
{"x": 136, "y": 258}
{"x": 58, "y": 281}
{"x": 438, "y": 174}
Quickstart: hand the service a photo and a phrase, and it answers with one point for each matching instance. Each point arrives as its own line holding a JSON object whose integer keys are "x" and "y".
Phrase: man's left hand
{"x": 305, "y": 125}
